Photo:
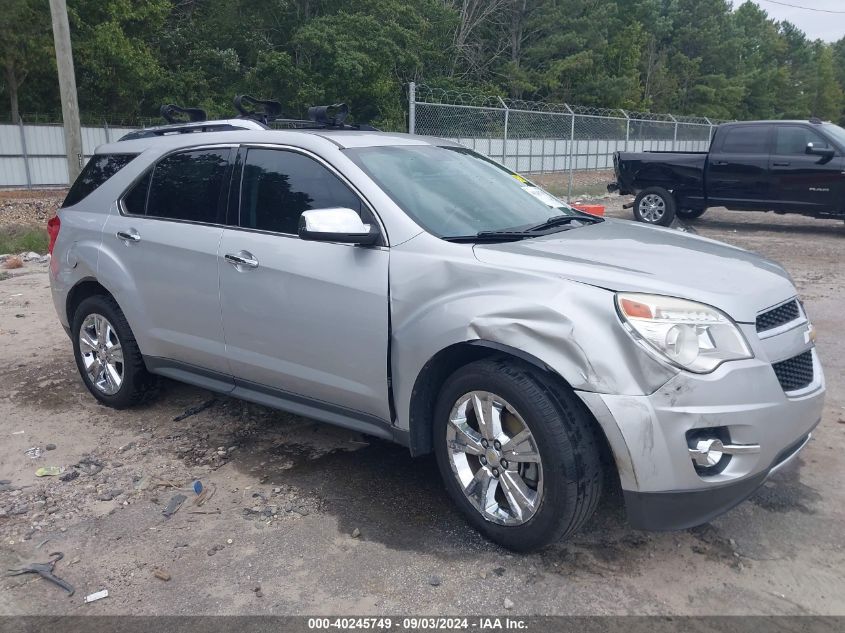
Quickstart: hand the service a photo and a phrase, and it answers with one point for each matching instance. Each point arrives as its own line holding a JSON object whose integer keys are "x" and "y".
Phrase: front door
{"x": 801, "y": 181}
{"x": 305, "y": 318}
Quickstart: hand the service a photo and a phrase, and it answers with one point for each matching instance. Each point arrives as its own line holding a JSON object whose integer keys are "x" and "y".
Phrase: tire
{"x": 104, "y": 323}
{"x": 567, "y": 483}
{"x": 654, "y": 205}
{"x": 689, "y": 214}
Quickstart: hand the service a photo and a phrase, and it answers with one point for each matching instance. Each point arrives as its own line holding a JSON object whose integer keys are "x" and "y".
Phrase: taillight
{"x": 53, "y": 226}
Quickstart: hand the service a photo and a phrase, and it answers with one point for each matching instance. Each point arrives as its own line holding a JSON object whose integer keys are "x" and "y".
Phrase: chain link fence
{"x": 535, "y": 137}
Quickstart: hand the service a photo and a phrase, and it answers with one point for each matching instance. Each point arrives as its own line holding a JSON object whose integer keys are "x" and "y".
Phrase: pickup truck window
{"x": 791, "y": 140}
{"x": 748, "y": 139}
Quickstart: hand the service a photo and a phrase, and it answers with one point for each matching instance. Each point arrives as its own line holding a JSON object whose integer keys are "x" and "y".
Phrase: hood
{"x": 628, "y": 256}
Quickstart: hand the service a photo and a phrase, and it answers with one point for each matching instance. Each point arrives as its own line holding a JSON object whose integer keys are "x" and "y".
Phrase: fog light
{"x": 708, "y": 453}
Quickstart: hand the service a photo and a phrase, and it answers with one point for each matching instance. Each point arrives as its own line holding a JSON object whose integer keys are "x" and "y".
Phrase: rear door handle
{"x": 781, "y": 164}
{"x": 129, "y": 236}
{"x": 720, "y": 163}
{"x": 242, "y": 259}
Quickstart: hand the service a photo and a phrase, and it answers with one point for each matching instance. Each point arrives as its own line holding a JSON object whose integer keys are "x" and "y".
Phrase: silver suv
{"x": 413, "y": 290}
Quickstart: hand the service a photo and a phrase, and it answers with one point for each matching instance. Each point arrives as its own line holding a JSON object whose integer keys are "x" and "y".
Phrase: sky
{"x": 829, "y": 27}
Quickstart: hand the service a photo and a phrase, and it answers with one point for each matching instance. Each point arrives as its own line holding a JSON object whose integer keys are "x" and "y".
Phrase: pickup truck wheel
{"x": 654, "y": 205}
{"x": 518, "y": 455}
{"x": 107, "y": 355}
{"x": 690, "y": 214}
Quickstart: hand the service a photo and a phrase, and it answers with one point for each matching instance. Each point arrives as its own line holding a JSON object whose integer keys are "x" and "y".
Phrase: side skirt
{"x": 277, "y": 399}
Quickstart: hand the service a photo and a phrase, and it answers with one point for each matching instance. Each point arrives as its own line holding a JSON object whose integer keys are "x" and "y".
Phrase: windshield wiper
{"x": 561, "y": 220}
{"x": 491, "y": 236}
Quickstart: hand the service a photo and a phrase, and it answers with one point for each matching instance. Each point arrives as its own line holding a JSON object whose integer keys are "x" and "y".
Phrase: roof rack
{"x": 171, "y": 112}
{"x": 269, "y": 112}
{"x": 223, "y": 125}
{"x": 816, "y": 120}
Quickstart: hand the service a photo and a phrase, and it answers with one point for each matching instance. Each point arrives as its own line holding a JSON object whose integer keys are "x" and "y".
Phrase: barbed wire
{"x": 443, "y": 96}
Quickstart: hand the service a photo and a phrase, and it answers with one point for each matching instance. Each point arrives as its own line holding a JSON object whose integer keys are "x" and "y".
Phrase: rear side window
{"x": 135, "y": 200}
{"x": 99, "y": 169}
{"x": 278, "y": 185}
{"x": 750, "y": 139}
{"x": 793, "y": 139}
{"x": 187, "y": 186}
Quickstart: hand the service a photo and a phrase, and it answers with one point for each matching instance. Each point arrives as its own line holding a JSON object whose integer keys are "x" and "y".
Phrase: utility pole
{"x": 67, "y": 89}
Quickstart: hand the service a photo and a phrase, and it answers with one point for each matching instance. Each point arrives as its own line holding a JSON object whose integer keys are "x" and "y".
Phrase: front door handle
{"x": 242, "y": 259}
{"x": 129, "y": 236}
{"x": 719, "y": 163}
{"x": 781, "y": 164}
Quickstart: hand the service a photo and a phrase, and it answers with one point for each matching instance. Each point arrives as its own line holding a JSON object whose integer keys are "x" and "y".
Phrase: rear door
{"x": 307, "y": 319}
{"x": 801, "y": 181}
{"x": 165, "y": 242}
{"x": 738, "y": 168}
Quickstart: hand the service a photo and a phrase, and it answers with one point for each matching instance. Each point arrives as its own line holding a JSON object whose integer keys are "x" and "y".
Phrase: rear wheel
{"x": 690, "y": 214}
{"x": 107, "y": 355}
{"x": 518, "y": 455}
{"x": 654, "y": 205}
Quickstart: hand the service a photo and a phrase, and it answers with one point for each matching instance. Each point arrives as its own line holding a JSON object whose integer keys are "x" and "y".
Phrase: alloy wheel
{"x": 102, "y": 354}
{"x": 652, "y": 207}
{"x": 495, "y": 458}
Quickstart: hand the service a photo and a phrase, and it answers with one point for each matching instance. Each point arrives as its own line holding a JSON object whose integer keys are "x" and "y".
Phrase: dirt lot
{"x": 308, "y": 519}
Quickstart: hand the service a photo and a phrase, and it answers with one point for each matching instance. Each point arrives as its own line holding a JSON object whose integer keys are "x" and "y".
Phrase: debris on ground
{"x": 49, "y": 471}
{"x": 257, "y": 591}
{"x": 508, "y": 604}
{"x": 33, "y": 452}
{"x": 97, "y": 595}
{"x": 204, "y": 496}
{"x": 435, "y": 581}
{"x": 356, "y": 533}
{"x": 173, "y": 505}
{"x": 13, "y": 262}
{"x": 90, "y": 465}
{"x": 199, "y": 408}
{"x": 161, "y": 574}
{"x": 197, "y": 487}
{"x": 70, "y": 475}
{"x": 45, "y": 570}
{"x": 50, "y": 447}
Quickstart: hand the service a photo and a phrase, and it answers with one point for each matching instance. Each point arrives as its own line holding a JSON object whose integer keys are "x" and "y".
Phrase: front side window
{"x": 278, "y": 185}
{"x": 791, "y": 140}
{"x": 452, "y": 191}
{"x": 99, "y": 169}
{"x": 187, "y": 186}
{"x": 749, "y": 139}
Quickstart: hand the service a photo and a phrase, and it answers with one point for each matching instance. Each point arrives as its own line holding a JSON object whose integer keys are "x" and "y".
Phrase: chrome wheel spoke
{"x": 521, "y": 498}
{"x": 87, "y": 342}
{"x": 466, "y": 439}
{"x": 115, "y": 353}
{"x": 520, "y": 448}
{"x": 488, "y": 416}
{"x": 482, "y": 489}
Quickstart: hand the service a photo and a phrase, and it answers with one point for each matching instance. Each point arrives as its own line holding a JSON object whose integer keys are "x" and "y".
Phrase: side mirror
{"x": 820, "y": 151}
{"x": 336, "y": 225}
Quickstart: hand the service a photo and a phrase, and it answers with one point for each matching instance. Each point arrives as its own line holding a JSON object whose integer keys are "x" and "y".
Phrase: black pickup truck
{"x": 780, "y": 166}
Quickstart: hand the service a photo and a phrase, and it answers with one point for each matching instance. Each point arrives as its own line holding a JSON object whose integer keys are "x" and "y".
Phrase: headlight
{"x": 690, "y": 335}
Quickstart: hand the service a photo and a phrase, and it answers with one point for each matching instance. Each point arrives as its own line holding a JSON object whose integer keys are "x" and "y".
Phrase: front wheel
{"x": 518, "y": 455}
{"x": 654, "y": 205}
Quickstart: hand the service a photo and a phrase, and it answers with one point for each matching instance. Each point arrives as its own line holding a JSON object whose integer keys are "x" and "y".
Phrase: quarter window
{"x": 187, "y": 186}
{"x": 750, "y": 139}
{"x": 278, "y": 185}
{"x": 99, "y": 169}
{"x": 793, "y": 139}
{"x": 135, "y": 201}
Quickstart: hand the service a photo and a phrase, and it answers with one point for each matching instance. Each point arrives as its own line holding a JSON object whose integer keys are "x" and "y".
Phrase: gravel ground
{"x": 18, "y": 206}
{"x": 309, "y": 519}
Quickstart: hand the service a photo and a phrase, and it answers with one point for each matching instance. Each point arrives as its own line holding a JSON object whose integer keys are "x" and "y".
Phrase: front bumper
{"x": 688, "y": 508}
{"x": 650, "y": 440}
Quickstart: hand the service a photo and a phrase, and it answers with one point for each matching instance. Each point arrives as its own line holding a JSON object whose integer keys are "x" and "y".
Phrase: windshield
{"x": 452, "y": 191}
{"x": 836, "y": 132}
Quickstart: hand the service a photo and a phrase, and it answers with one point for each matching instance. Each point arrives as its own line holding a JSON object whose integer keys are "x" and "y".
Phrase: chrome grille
{"x": 796, "y": 372}
{"x": 778, "y": 316}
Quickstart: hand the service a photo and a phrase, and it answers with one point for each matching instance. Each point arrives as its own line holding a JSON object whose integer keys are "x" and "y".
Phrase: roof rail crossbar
{"x": 262, "y": 110}
{"x": 176, "y": 114}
